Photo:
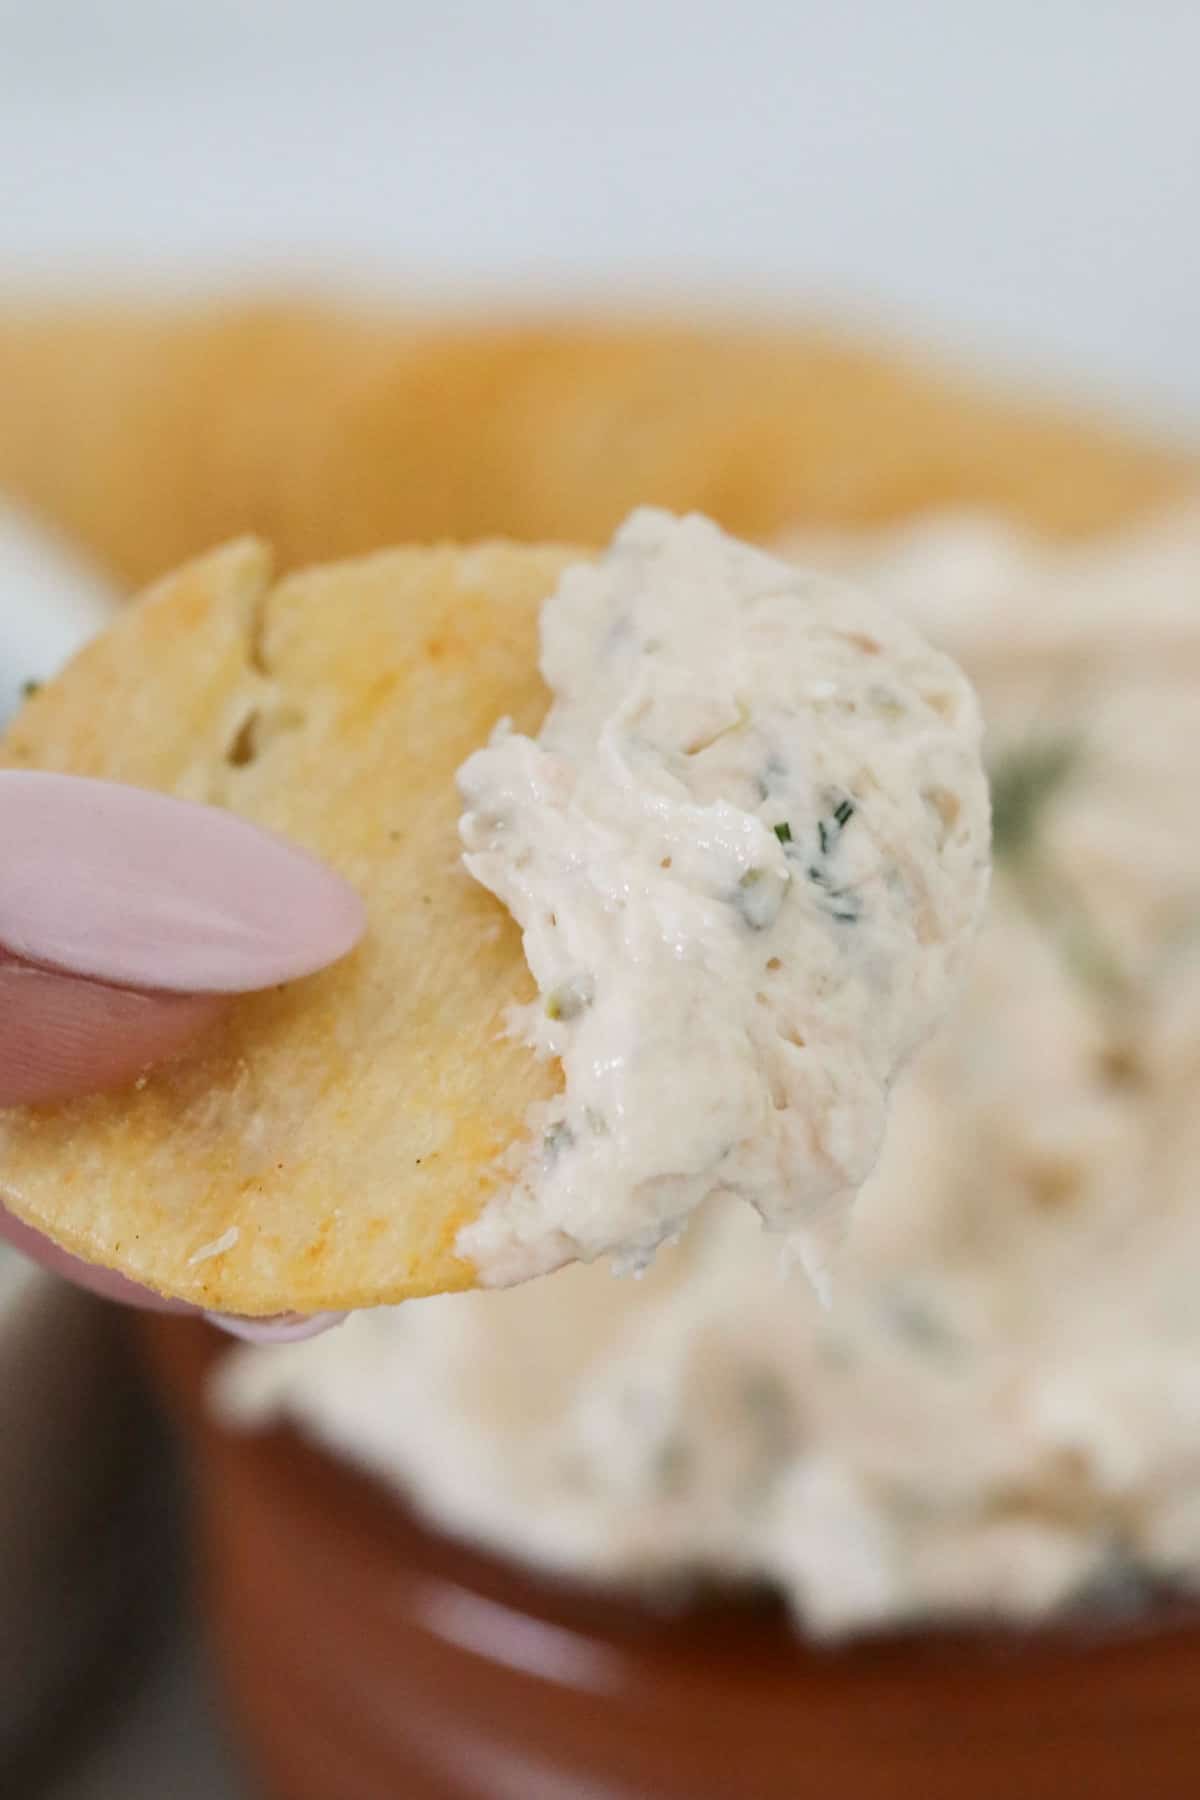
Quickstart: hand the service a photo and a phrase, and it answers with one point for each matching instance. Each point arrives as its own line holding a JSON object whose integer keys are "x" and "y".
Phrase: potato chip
{"x": 322, "y": 1147}
{"x": 151, "y": 433}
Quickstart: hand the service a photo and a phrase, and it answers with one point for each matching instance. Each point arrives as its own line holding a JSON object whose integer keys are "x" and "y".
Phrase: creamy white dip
{"x": 1000, "y": 1408}
{"x": 747, "y": 852}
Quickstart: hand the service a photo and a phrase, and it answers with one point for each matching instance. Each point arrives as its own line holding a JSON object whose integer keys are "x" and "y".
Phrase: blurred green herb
{"x": 1025, "y": 779}
{"x": 1058, "y": 905}
{"x": 673, "y": 1467}
{"x": 914, "y": 1320}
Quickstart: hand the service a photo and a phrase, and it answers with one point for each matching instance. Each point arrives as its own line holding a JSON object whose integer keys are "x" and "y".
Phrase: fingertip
{"x": 287, "y": 1328}
{"x": 327, "y": 917}
{"x": 60, "y": 1036}
{"x": 106, "y": 1283}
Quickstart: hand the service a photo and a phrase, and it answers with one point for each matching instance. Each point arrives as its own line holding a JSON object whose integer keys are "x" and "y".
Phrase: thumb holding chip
{"x": 127, "y": 920}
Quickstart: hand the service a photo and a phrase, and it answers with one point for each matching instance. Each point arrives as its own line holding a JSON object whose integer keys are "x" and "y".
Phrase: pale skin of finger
{"x": 61, "y": 1036}
{"x": 128, "y": 918}
{"x": 86, "y": 1275}
{"x": 111, "y": 1286}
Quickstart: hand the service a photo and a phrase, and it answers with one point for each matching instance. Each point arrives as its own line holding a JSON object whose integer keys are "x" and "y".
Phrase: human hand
{"x": 127, "y": 920}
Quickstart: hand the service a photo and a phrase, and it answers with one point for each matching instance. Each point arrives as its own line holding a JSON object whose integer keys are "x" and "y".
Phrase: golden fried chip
{"x": 323, "y": 1146}
{"x": 150, "y": 433}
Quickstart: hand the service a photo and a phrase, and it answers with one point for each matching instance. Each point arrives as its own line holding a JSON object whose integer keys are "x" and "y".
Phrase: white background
{"x": 1015, "y": 177}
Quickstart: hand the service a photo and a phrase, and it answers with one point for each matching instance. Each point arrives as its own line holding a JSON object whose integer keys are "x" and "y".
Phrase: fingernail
{"x": 288, "y": 1328}
{"x": 145, "y": 891}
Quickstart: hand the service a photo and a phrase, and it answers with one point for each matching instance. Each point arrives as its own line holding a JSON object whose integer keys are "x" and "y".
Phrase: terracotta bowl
{"x": 365, "y": 1657}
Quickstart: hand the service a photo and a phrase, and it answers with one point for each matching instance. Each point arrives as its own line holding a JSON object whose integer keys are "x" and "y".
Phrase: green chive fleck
{"x": 558, "y": 1137}
{"x": 784, "y": 832}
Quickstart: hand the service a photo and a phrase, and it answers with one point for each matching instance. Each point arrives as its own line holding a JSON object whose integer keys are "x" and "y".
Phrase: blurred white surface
{"x": 51, "y": 602}
{"x": 1012, "y": 176}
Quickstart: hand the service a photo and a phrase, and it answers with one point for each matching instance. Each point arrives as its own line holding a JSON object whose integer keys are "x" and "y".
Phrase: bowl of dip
{"x": 471, "y": 1546}
{"x": 366, "y": 1655}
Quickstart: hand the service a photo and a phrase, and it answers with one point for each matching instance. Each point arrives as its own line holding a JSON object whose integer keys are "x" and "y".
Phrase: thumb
{"x": 124, "y": 915}
{"x": 60, "y": 1036}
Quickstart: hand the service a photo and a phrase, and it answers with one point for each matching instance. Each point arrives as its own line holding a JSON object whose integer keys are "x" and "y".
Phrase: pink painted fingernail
{"x": 288, "y": 1328}
{"x": 145, "y": 891}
